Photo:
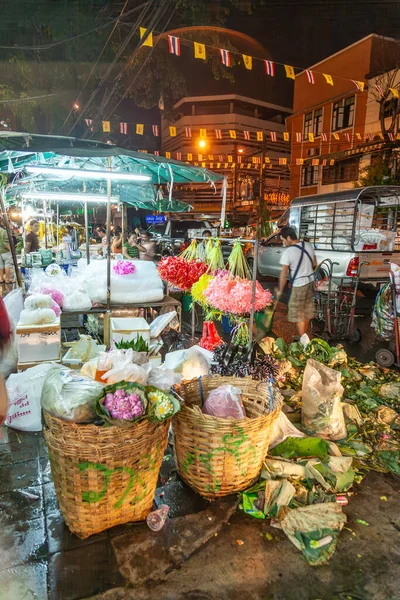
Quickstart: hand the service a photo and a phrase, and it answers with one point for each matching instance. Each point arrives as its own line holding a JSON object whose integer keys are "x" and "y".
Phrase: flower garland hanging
{"x": 180, "y": 273}
{"x": 234, "y": 295}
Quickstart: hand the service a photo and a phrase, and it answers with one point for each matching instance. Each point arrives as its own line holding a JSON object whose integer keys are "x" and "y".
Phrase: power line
{"x": 29, "y": 98}
{"x": 75, "y": 37}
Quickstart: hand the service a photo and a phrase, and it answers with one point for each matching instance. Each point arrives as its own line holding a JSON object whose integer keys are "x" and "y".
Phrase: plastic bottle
{"x": 156, "y": 519}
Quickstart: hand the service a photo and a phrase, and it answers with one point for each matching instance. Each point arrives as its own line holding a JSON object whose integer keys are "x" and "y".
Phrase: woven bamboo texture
{"x": 104, "y": 476}
{"x": 216, "y": 456}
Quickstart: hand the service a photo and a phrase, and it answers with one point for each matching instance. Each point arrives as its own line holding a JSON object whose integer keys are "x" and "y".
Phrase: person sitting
{"x": 132, "y": 248}
{"x": 116, "y": 247}
{"x": 147, "y": 242}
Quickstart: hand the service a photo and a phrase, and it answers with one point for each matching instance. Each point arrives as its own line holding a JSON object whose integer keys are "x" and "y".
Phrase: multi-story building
{"x": 343, "y": 119}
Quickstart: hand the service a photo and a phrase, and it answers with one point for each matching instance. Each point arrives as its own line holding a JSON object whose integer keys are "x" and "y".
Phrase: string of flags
{"x": 271, "y": 67}
{"x": 246, "y": 135}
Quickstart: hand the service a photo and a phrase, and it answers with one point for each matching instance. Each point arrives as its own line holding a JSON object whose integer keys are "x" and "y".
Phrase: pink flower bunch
{"x": 56, "y": 295}
{"x": 123, "y": 406}
{"x": 124, "y": 267}
{"x": 233, "y": 295}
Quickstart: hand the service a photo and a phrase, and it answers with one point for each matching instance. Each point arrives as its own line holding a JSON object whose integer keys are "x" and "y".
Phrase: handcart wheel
{"x": 384, "y": 358}
{"x": 356, "y": 336}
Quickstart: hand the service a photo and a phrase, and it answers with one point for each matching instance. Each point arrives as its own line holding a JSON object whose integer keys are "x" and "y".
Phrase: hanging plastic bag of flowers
{"x": 210, "y": 338}
{"x": 237, "y": 263}
{"x": 215, "y": 258}
{"x": 234, "y": 295}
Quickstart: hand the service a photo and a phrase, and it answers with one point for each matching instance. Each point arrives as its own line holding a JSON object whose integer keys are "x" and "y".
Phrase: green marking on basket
{"x": 94, "y": 497}
{"x": 232, "y": 443}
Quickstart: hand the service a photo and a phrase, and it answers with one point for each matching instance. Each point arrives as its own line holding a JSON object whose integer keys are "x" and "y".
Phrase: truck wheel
{"x": 355, "y": 337}
{"x": 384, "y": 358}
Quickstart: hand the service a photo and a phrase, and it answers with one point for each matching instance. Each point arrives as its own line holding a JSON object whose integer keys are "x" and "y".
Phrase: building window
{"x": 340, "y": 172}
{"x": 318, "y": 121}
{"x": 309, "y": 175}
{"x": 343, "y": 113}
{"x": 308, "y": 123}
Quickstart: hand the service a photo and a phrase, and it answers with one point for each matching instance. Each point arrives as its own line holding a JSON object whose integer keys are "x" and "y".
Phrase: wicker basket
{"x": 104, "y": 476}
{"x": 215, "y": 456}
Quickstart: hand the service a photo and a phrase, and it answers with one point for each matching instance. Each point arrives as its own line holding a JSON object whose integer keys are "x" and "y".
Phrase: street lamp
{"x": 202, "y": 143}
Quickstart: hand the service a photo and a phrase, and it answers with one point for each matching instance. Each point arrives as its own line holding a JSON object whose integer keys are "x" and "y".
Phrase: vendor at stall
{"x": 147, "y": 242}
{"x": 116, "y": 247}
{"x": 6, "y": 262}
{"x": 132, "y": 247}
{"x": 32, "y": 238}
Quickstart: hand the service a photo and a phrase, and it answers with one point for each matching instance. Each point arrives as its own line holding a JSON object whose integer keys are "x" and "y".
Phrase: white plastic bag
{"x": 14, "y": 303}
{"x": 163, "y": 379}
{"x": 282, "y": 429}
{"x": 196, "y": 364}
{"x": 37, "y": 316}
{"x": 24, "y": 391}
{"x": 38, "y": 301}
{"x": 77, "y": 301}
{"x": 321, "y": 411}
{"x": 69, "y": 395}
{"x": 123, "y": 369}
{"x": 224, "y": 402}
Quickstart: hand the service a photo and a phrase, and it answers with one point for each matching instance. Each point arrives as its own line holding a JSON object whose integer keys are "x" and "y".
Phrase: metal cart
{"x": 386, "y": 357}
{"x": 335, "y": 304}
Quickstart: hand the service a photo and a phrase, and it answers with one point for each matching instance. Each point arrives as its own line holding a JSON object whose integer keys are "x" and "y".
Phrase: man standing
{"x": 147, "y": 242}
{"x": 32, "y": 239}
{"x": 298, "y": 262}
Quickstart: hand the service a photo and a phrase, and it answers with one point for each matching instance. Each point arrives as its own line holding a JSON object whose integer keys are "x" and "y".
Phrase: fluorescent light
{"x": 56, "y": 197}
{"x": 83, "y": 174}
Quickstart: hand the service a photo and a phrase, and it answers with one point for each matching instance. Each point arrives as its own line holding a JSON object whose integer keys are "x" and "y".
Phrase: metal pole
{"x": 87, "y": 232}
{"x": 57, "y": 223}
{"x": 109, "y": 237}
{"x": 44, "y": 221}
{"x": 193, "y": 321}
{"x": 123, "y": 224}
{"x": 253, "y": 293}
{"x": 10, "y": 239}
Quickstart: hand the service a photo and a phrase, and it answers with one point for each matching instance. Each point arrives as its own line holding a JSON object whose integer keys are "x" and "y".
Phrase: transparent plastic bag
{"x": 224, "y": 401}
{"x": 163, "y": 379}
{"x": 69, "y": 395}
{"x": 123, "y": 368}
{"x": 321, "y": 412}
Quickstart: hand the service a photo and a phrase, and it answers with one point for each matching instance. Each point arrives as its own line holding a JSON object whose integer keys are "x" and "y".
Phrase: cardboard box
{"x": 129, "y": 329}
{"x": 38, "y": 343}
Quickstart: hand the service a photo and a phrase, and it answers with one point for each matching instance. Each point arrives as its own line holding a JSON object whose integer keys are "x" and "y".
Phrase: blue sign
{"x": 155, "y": 219}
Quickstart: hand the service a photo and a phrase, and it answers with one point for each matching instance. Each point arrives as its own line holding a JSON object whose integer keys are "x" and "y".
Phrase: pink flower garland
{"x": 124, "y": 267}
{"x": 233, "y": 295}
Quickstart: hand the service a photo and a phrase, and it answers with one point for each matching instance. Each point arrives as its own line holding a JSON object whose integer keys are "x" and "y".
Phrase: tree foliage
{"x": 379, "y": 172}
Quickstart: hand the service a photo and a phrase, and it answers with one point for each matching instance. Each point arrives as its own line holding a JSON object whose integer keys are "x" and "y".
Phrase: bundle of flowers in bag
{"x": 234, "y": 295}
{"x": 124, "y": 267}
{"x": 179, "y": 272}
{"x": 200, "y": 287}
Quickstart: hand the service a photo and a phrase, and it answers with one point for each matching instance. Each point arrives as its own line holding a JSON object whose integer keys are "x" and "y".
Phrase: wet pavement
{"x": 196, "y": 556}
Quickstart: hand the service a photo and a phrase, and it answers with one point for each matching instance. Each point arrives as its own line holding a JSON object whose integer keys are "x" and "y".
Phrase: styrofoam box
{"x": 129, "y": 329}
{"x": 38, "y": 342}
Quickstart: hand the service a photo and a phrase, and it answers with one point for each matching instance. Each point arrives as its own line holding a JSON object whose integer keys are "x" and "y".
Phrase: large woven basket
{"x": 104, "y": 476}
{"x": 216, "y": 456}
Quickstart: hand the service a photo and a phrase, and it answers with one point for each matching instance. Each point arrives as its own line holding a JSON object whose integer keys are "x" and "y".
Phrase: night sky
{"x": 302, "y": 32}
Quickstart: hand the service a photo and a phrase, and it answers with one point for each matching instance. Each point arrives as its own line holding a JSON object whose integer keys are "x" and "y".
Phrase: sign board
{"x": 152, "y": 219}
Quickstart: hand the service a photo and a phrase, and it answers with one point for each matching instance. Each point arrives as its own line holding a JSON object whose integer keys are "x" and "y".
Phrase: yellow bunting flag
{"x": 172, "y": 131}
{"x": 248, "y": 61}
{"x": 203, "y": 133}
{"x": 289, "y": 71}
{"x": 398, "y": 136}
{"x": 266, "y": 159}
{"x": 249, "y": 165}
{"x": 226, "y": 165}
{"x": 232, "y": 134}
{"x": 230, "y": 159}
{"x": 199, "y": 157}
{"x": 282, "y": 161}
{"x": 395, "y": 92}
{"x": 328, "y": 78}
{"x": 260, "y": 136}
{"x": 285, "y": 136}
{"x": 358, "y": 136}
{"x": 106, "y": 126}
{"x": 336, "y": 136}
{"x": 332, "y": 162}
{"x": 199, "y": 51}
{"x": 203, "y": 164}
{"x": 254, "y": 159}
{"x": 218, "y": 165}
{"x": 315, "y": 162}
{"x": 210, "y": 157}
{"x": 190, "y": 156}
{"x": 149, "y": 40}
{"x": 168, "y": 155}
{"x": 139, "y": 128}
{"x": 380, "y": 135}
{"x": 310, "y": 137}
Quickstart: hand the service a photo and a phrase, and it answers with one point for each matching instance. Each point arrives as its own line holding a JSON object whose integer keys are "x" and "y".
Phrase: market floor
{"x": 197, "y": 555}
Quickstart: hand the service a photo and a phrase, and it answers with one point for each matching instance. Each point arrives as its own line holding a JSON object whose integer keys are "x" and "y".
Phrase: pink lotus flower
{"x": 124, "y": 267}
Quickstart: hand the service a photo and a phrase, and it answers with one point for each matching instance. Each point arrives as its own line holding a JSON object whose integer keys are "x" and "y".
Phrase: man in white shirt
{"x": 298, "y": 263}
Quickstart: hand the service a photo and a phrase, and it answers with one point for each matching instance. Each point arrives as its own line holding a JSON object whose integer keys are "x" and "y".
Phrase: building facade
{"x": 342, "y": 119}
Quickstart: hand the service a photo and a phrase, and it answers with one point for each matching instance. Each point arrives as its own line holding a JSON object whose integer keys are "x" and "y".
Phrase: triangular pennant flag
{"x": 266, "y": 159}
{"x": 174, "y": 45}
{"x": 225, "y": 57}
{"x": 149, "y": 40}
{"x": 188, "y": 132}
{"x": 336, "y": 136}
{"x": 232, "y": 134}
{"x": 190, "y": 156}
{"x": 199, "y": 157}
{"x": 328, "y": 78}
{"x": 283, "y": 161}
{"x": 139, "y": 129}
{"x": 299, "y": 137}
{"x": 226, "y": 165}
{"x": 269, "y": 67}
{"x": 398, "y": 136}
{"x": 324, "y": 162}
{"x": 218, "y": 165}
{"x": 347, "y": 136}
{"x": 299, "y": 161}
{"x": 289, "y": 71}
{"x": 106, "y": 126}
{"x": 310, "y": 77}
{"x": 199, "y": 51}
{"x": 310, "y": 137}
{"x": 168, "y": 155}
{"x": 156, "y": 153}
{"x": 248, "y": 61}
{"x": 285, "y": 136}
{"x": 390, "y": 136}
{"x": 359, "y": 85}
{"x": 211, "y": 165}
{"x": 332, "y": 162}
{"x": 218, "y": 134}
{"x": 230, "y": 159}
{"x": 324, "y": 137}
{"x": 179, "y": 156}
{"x": 260, "y": 136}
{"x": 315, "y": 162}
{"x": 395, "y": 92}
{"x": 272, "y": 135}
{"x": 246, "y": 135}
{"x": 203, "y": 133}
{"x": 358, "y": 136}
{"x": 155, "y": 130}
{"x": 203, "y": 164}
{"x": 379, "y": 89}
{"x": 210, "y": 157}
{"x": 123, "y": 128}
{"x": 172, "y": 131}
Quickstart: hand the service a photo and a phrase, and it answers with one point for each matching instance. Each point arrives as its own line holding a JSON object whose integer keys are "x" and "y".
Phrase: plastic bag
{"x": 68, "y": 395}
{"x": 38, "y": 301}
{"x": 14, "y": 303}
{"x": 123, "y": 369}
{"x": 24, "y": 391}
{"x": 225, "y": 401}
{"x": 321, "y": 411}
{"x": 282, "y": 429}
{"x": 77, "y": 301}
{"x": 163, "y": 379}
{"x": 195, "y": 364}
{"x": 38, "y": 316}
